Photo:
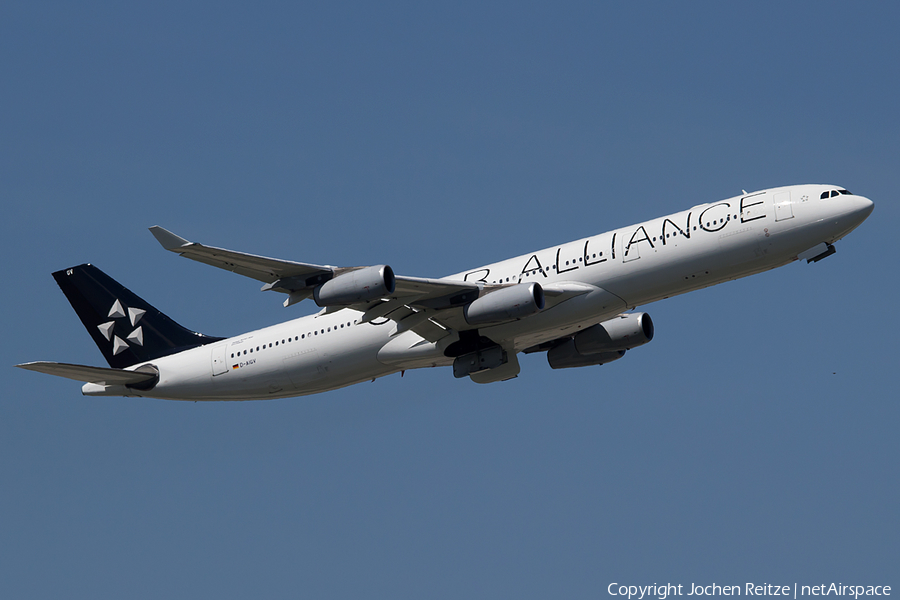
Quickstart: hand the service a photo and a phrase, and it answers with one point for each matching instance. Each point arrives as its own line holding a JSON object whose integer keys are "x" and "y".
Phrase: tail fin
{"x": 127, "y": 329}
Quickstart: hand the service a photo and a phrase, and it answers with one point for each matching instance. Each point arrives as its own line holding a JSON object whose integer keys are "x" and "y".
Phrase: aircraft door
{"x": 219, "y": 363}
{"x": 783, "y": 208}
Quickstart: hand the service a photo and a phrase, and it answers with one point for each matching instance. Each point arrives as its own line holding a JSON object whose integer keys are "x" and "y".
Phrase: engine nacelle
{"x": 622, "y": 333}
{"x": 506, "y": 304}
{"x": 566, "y": 356}
{"x": 362, "y": 285}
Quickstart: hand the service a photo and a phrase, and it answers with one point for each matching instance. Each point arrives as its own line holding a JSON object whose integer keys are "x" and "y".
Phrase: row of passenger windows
{"x": 573, "y": 261}
{"x": 296, "y": 338}
{"x": 833, "y": 193}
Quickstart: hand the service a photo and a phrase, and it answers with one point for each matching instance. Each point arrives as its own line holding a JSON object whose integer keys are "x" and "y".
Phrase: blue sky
{"x": 755, "y": 439}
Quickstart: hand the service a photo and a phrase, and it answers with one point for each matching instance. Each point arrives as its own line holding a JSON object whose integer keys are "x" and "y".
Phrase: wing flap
{"x": 101, "y": 375}
{"x": 435, "y": 294}
{"x": 431, "y": 288}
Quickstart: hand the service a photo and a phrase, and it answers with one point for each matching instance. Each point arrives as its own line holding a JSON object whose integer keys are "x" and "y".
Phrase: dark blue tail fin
{"x": 127, "y": 329}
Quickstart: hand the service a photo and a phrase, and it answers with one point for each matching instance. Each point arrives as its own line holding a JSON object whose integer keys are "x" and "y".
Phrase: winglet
{"x": 169, "y": 240}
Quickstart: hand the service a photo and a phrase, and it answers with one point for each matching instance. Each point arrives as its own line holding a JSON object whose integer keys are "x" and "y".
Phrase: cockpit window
{"x": 833, "y": 193}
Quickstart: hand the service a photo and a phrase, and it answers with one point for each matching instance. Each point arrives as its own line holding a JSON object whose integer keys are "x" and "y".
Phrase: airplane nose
{"x": 862, "y": 208}
{"x": 849, "y": 212}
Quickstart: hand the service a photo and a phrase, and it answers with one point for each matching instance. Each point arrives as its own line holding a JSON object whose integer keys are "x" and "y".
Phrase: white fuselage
{"x": 625, "y": 268}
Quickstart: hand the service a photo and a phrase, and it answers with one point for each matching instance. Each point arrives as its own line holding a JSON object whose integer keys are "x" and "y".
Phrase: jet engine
{"x": 566, "y": 356}
{"x": 362, "y": 285}
{"x": 621, "y": 333}
{"x": 506, "y": 304}
{"x": 603, "y": 342}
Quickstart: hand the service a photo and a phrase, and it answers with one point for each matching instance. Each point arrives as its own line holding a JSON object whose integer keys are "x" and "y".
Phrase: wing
{"x": 101, "y": 375}
{"x": 413, "y": 302}
{"x": 432, "y": 308}
{"x": 280, "y": 275}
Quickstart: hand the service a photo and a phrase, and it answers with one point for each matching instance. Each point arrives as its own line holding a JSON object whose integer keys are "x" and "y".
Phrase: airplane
{"x": 572, "y": 301}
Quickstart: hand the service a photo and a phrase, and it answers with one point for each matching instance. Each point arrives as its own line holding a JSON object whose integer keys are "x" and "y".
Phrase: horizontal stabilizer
{"x": 99, "y": 375}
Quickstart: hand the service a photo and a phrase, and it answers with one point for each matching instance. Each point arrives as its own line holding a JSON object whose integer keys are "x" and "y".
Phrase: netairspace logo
{"x": 663, "y": 591}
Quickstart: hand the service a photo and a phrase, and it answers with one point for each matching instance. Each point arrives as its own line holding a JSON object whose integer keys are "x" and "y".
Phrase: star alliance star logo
{"x": 136, "y": 337}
